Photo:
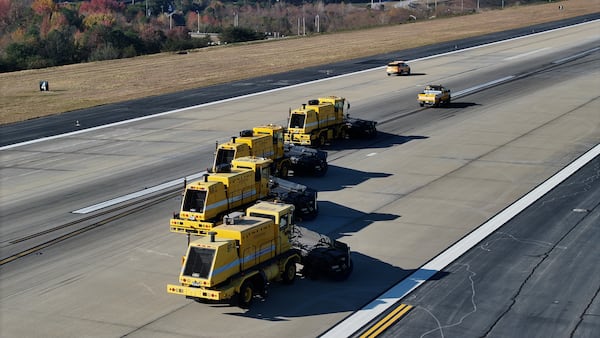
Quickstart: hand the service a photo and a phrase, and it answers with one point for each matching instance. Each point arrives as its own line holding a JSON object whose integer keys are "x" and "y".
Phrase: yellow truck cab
{"x": 262, "y": 141}
{"x": 319, "y": 121}
{"x": 206, "y": 201}
{"x": 397, "y": 68}
{"x": 240, "y": 257}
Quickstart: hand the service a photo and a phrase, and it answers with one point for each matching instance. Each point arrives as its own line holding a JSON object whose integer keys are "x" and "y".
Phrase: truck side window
{"x": 283, "y": 222}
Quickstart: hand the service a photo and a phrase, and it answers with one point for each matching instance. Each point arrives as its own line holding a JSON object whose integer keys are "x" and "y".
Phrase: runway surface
{"x": 429, "y": 178}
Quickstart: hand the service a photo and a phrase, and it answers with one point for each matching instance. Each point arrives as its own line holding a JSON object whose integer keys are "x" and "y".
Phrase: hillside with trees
{"x": 45, "y": 33}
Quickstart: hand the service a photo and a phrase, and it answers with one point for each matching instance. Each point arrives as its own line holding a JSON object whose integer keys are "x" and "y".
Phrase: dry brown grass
{"x": 90, "y": 84}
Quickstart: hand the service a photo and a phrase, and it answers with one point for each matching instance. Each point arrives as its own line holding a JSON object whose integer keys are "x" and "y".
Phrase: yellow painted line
{"x": 388, "y": 320}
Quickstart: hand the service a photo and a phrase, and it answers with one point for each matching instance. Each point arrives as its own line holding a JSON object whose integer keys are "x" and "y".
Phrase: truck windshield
{"x": 297, "y": 121}
{"x": 223, "y": 158}
{"x": 194, "y": 200}
{"x": 258, "y": 214}
{"x": 198, "y": 262}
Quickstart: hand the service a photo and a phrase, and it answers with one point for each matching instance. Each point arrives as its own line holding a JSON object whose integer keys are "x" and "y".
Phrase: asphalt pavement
{"x": 537, "y": 276}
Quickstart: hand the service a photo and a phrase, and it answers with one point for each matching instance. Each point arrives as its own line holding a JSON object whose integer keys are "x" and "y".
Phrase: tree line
{"x": 45, "y": 33}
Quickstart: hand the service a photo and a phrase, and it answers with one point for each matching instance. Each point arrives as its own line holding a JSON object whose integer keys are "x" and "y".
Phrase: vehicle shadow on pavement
{"x": 307, "y": 297}
{"x": 336, "y": 220}
{"x": 459, "y": 105}
{"x": 415, "y": 74}
{"x": 337, "y": 178}
{"x": 382, "y": 140}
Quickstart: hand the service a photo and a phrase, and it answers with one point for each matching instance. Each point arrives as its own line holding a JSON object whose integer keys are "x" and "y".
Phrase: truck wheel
{"x": 289, "y": 274}
{"x": 322, "y": 171}
{"x": 345, "y": 273}
{"x": 321, "y": 140}
{"x": 373, "y": 132}
{"x": 284, "y": 171}
{"x": 246, "y": 294}
{"x": 421, "y": 104}
{"x": 309, "y": 273}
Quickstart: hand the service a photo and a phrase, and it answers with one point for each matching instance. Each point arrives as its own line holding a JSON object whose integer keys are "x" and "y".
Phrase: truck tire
{"x": 322, "y": 171}
{"x": 342, "y": 134}
{"x": 246, "y": 294}
{"x": 421, "y": 104}
{"x": 345, "y": 273}
{"x": 372, "y": 132}
{"x": 284, "y": 170}
{"x": 289, "y": 273}
{"x": 322, "y": 140}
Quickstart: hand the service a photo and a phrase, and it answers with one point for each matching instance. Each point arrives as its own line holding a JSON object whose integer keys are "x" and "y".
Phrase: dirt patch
{"x": 95, "y": 83}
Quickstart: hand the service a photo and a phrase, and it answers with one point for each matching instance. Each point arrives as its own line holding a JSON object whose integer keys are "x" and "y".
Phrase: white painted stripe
{"x": 481, "y": 86}
{"x": 136, "y": 194}
{"x": 11, "y": 146}
{"x": 237, "y": 198}
{"x": 354, "y": 322}
{"x": 525, "y": 54}
{"x": 572, "y": 57}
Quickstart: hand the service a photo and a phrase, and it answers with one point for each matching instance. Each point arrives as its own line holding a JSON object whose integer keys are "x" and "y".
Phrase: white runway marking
{"x": 354, "y": 322}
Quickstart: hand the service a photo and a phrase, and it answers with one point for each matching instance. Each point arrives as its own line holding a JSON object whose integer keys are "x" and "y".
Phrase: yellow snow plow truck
{"x": 435, "y": 96}
{"x": 242, "y": 256}
{"x": 323, "y": 120}
{"x": 206, "y": 201}
{"x": 268, "y": 141}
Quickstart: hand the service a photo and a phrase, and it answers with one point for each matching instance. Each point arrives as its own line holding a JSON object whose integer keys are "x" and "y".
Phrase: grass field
{"x": 96, "y": 83}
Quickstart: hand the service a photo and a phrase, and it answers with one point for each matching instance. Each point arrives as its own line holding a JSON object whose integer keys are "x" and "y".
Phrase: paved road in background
{"x": 111, "y": 113}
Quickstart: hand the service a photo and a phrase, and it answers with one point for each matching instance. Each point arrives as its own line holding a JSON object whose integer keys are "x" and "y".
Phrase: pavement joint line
{"x": 354, "y": 322}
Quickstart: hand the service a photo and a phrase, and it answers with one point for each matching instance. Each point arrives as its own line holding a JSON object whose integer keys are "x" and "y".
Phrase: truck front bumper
{"x": 184, "y": 226}
{"x": 299, "y": 139}
{"x": 201, "y": 293}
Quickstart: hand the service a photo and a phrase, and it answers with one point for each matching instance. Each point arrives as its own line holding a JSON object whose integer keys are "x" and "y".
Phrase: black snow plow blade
{"x": 322, "y": 257}
{"x": 359, "y": 128}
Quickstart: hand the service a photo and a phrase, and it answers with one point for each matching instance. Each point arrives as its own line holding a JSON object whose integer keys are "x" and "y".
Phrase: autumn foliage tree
{"x": 42, "y": 33}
